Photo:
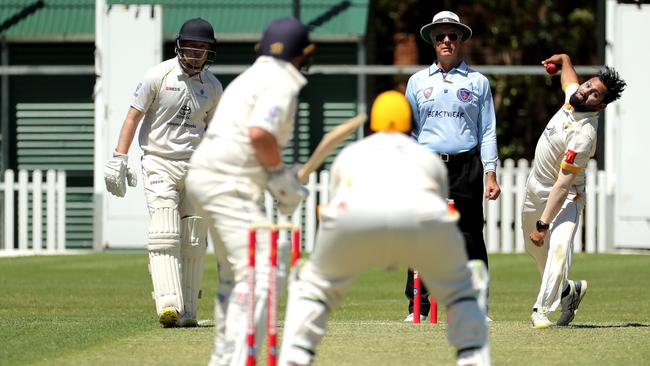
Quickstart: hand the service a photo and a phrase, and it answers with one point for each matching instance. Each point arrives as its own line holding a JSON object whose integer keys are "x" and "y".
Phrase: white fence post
{"x": 602, "y": 212}
{"x": 492, "y": 243}
{"x": 590, "y": 208}
{"x": 310, "y": 214}
{"x": 37, "y": 211}
{"x": 520, "y": 192}
{"x": 50, "y": 183}
{"x": 23, "y": 180}
{"x": 17, "y": 203}
{"x": 60, "y": 205}
{"x": 9, "y": 210}
{"x": 507, "y": 189}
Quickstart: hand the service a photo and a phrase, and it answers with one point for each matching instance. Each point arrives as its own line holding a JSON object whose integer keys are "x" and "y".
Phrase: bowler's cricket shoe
{"x": 540, "y": 320}
{"x": 168, "y": 317}
{"x": 409, "y": 318}
{"x": 570, "y": 303}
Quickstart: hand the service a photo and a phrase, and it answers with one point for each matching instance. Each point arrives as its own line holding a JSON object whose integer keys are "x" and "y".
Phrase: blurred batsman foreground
{"x": 389, "y": 209}
{"x": 239, "y": 159}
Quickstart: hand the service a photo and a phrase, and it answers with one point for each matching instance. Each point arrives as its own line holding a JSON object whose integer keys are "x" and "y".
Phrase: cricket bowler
{"x": 555, "y": 188}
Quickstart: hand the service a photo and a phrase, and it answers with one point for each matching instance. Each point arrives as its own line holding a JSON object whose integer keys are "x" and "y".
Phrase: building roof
{"x": 74, "y": 20}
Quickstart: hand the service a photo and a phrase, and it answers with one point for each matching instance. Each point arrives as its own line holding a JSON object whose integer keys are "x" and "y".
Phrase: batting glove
{"x": 117, "y": 175}
{"x": 286, "y": 188}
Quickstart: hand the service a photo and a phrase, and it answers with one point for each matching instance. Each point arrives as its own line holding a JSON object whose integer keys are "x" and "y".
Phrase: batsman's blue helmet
{"x": 286, "y": 38}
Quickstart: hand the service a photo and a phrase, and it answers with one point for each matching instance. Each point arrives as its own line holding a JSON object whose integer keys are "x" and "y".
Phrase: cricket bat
{"x": 328, "y": 143}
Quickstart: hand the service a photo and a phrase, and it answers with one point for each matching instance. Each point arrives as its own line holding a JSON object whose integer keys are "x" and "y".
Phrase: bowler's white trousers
{"x": 554, "y": 257}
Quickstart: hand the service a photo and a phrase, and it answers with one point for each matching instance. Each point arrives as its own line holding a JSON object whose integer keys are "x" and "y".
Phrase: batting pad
{"x": 164, "y": 259}
{"x": 194, "y": 232}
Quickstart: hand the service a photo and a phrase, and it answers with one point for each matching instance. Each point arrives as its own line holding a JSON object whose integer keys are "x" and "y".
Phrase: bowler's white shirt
{"x": 568, "y": 141}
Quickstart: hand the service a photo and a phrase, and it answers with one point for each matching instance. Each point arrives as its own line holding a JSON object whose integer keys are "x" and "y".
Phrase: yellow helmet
{"x": 390, "y": 113}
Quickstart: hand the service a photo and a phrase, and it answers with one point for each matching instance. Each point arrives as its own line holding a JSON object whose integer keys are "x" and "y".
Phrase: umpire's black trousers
{"x": 465, "y": 173}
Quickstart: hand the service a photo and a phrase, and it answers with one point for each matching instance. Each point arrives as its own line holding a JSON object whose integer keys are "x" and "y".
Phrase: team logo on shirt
{"x": 464, "y": 95}
{"x": 137, "y": 88}
{"x": 570, "y": 156}
{"x": 172, "y": 88}
{"x": 184, "y": 111}
{"x": 427, "y": 92}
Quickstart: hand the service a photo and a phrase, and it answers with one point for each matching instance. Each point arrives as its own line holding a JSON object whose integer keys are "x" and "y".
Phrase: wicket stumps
{"x": 274, "y": 230}
{"x": 417, "y": 287}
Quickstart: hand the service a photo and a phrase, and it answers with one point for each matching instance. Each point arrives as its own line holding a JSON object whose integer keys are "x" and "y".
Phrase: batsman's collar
{"x": 445, "y": 17}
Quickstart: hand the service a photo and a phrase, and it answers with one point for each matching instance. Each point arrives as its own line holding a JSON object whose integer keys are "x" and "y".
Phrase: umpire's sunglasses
{"x": 441, "y": 37}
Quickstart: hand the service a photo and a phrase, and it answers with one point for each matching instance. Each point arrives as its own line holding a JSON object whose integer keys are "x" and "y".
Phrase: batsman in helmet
{"x": 388, "y": 209}
{"x": 239, "y": 159}
{"x": 174, "y": 102}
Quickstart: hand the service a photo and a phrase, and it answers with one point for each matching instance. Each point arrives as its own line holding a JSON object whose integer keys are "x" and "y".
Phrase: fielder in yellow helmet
{"x": 387, "y": 208}
{"x": 391, "y": 113}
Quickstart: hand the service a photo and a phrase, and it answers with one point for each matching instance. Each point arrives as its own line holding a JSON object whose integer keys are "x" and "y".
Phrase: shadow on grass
{"x": 597, "y": 326}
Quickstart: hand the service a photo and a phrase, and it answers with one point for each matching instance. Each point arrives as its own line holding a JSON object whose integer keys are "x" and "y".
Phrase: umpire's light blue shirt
{"x": 454, "y": 112}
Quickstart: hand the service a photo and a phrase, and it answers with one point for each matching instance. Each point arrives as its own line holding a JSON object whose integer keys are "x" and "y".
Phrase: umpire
{"x": 453, "y": 115}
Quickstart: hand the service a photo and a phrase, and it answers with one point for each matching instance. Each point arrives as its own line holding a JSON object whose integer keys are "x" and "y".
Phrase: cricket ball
{"x": 551, "y": 68}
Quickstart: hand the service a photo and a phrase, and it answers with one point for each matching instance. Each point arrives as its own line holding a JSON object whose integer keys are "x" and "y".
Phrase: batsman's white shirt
{"x": 568, "y": 142}
{"x": 264, "y": 96}
{"x": 177, "y": 108}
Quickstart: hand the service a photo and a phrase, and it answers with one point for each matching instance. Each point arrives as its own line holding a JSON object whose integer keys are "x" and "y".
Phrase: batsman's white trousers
{"x": 386, "y": 238}
{"x": 164, "y": 187}
{"x": 164, "y": 184}
{"x": 554, "y": 258}
{"x": 227, "y": 202}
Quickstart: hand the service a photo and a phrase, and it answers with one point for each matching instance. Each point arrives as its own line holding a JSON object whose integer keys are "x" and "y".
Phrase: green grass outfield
{"x": 97, "y": 310}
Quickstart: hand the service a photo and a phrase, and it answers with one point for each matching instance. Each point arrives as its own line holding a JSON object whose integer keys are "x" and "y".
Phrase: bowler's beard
{"x": 579, "y": 106}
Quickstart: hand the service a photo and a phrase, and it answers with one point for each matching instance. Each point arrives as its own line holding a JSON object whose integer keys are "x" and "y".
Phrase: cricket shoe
{"x": 474, "y": 357}
{"x": 168, "y": 317}
{"x": 540, "y": 320}
{"x": 187, "y": 322}
{"x": 570, "y": 303}
{"x": 409, "y": 318}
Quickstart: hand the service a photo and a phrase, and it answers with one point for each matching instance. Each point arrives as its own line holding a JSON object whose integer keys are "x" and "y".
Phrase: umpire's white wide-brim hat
{"x": 448, "y": 18}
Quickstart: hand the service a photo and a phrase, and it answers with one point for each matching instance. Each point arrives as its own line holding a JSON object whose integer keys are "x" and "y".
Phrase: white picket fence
{"x": 30, "y": 211}
{"x": 502, "y": 217}
{"x": 502, "y": 228}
